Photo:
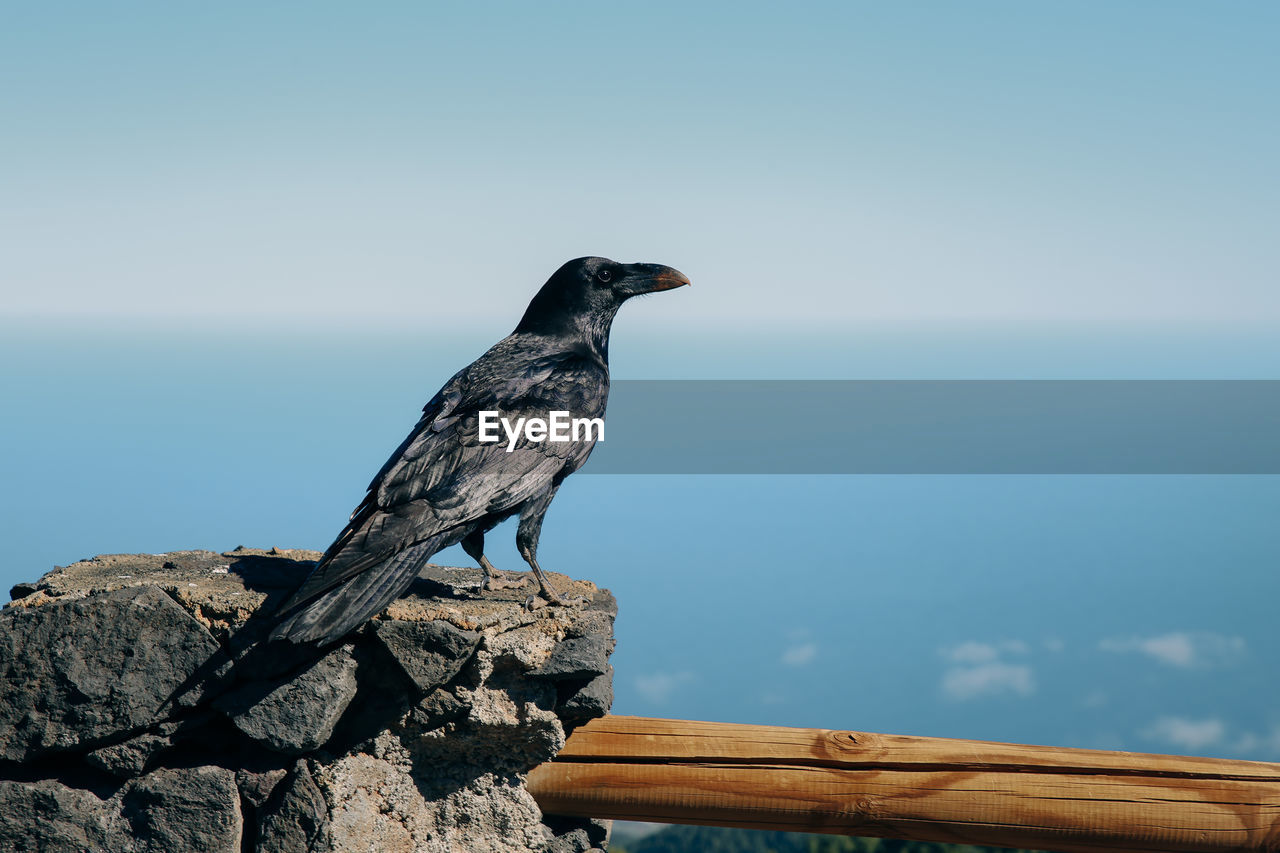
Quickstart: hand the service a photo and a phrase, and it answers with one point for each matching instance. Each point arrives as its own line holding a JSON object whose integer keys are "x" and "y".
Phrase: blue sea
{"x": 1131, "y": 612}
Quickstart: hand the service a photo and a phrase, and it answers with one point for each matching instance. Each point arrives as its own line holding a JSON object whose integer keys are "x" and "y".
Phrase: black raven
{"x": 444, "y": 485}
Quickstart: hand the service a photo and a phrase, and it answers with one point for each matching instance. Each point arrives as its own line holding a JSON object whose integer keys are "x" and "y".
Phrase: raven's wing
{"x": 442, "y": 476}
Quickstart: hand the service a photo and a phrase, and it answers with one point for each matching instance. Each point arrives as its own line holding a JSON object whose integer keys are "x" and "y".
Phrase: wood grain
{"x": 929, "y": 789}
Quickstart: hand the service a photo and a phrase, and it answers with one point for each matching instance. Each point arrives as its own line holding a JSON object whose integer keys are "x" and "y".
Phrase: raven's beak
{"x": 650, "y": 278}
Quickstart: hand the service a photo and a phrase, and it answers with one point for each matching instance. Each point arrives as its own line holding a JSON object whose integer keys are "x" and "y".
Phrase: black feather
{"x": 442, "y": 483}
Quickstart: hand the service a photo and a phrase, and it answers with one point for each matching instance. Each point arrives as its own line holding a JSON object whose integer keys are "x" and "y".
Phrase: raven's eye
{"x": 604, "y": 276}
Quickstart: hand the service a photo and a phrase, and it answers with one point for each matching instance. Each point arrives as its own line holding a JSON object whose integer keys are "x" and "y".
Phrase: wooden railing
{"x": 928, "y": 789}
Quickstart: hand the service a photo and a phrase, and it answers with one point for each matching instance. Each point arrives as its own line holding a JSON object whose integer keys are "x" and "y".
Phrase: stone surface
{"x": 130, "y": 758}
{"x": 191, "y": 808}
{"x": 257, "y": 788}
{"x": 166, "y": 811}
{"x": 221, "y": 591}
{"x": 588, "y": 701}
{"x": 429, "y": 653}
{"x": 577, "y": 836}
{"x": 127, "y": 728}
{"x": 50, "y": 817}
{"x": 579, "y": 657}
{"x": 300, "y": 714}
{"x": 299, "y": 820}
{"x": 77, "y": 672}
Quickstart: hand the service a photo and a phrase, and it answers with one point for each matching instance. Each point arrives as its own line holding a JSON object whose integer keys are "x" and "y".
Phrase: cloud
{"x": 995, "y": 678}
{"x": 1262, "y": 745}
{"x": 1182, "y": 649}
{"x": 800, "y": 654}
{"x": 657, "y": 687}
{"x": 1196, "y": 736}
{"x": 980, "y": 670}
{"x": 1094, "y": 699}
{"x": 974, "y": 652}
{"x": 1185, "y": 733}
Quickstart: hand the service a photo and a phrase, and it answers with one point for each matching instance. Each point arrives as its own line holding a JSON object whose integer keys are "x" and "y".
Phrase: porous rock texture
{"x": 139, "y": 712}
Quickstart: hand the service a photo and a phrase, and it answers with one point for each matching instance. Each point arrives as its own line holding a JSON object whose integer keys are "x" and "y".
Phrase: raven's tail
{"x": 335, "y": 613}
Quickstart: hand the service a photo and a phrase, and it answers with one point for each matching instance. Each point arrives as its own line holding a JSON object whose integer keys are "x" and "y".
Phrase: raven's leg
{"x": 493, "y": 578}
{"x": 527, "y": 534}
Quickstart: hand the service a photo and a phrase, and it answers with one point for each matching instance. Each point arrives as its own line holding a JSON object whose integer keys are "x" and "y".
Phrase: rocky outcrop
{"x": 139, "y": 712}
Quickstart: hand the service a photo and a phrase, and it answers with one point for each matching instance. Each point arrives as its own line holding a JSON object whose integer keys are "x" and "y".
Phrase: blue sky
{"x": 245, "y": 242}
{"x": 991, "y": 161}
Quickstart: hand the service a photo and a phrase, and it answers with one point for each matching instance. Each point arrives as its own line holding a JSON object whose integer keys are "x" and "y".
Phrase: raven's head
{"x": 585, "y": 293}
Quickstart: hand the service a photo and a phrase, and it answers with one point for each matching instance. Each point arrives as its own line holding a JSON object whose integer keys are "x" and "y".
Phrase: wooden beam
{"x": 927, "y": 789}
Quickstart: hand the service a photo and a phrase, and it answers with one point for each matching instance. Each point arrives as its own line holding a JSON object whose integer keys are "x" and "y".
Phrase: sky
{"x": 243, "y": 243}
{"x": 989, "y": 161}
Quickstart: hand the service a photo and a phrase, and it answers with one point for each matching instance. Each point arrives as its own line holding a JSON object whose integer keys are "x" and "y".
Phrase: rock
{"x": 429, "y": 653}
{"x": 590, "y": 700}
{"x": 196, "y": 809}
{"x": 522, "y": 649}
{"x": 300, "y": 714}
{"x": 49, "y": 817}
{"x": 300, "y": 818}
{"x": 167, "y": 811}
{"x": 578, "y": 658}
{"x": 390, "y": 799}
{"x": 256, "y": 788}
{"x": 128, "y": 759}
{"x": 578, "y": 835}
{"x": 127, "y": 728}
{"x": 93, "y": 669}
{"x": 437, "y": 708}
{"x": 220, "y": 591}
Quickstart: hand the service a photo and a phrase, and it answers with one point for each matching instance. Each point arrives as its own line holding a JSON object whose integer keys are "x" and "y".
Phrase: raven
{"x": 445, "y": 484}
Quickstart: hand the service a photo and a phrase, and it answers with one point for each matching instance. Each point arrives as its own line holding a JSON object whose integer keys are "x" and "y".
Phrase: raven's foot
{"x": 495, "y": 579}
{"x": 506, "y": 580}
{"x": 545, "y": 590}
{"x": 547, "y": 596}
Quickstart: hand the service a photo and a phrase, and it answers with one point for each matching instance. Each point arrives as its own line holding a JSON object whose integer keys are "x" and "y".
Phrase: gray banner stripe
{"x": 941, "y": 427}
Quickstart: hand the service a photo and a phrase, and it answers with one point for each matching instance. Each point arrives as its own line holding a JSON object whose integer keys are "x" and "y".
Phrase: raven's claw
{"x": 496, "y": 579}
